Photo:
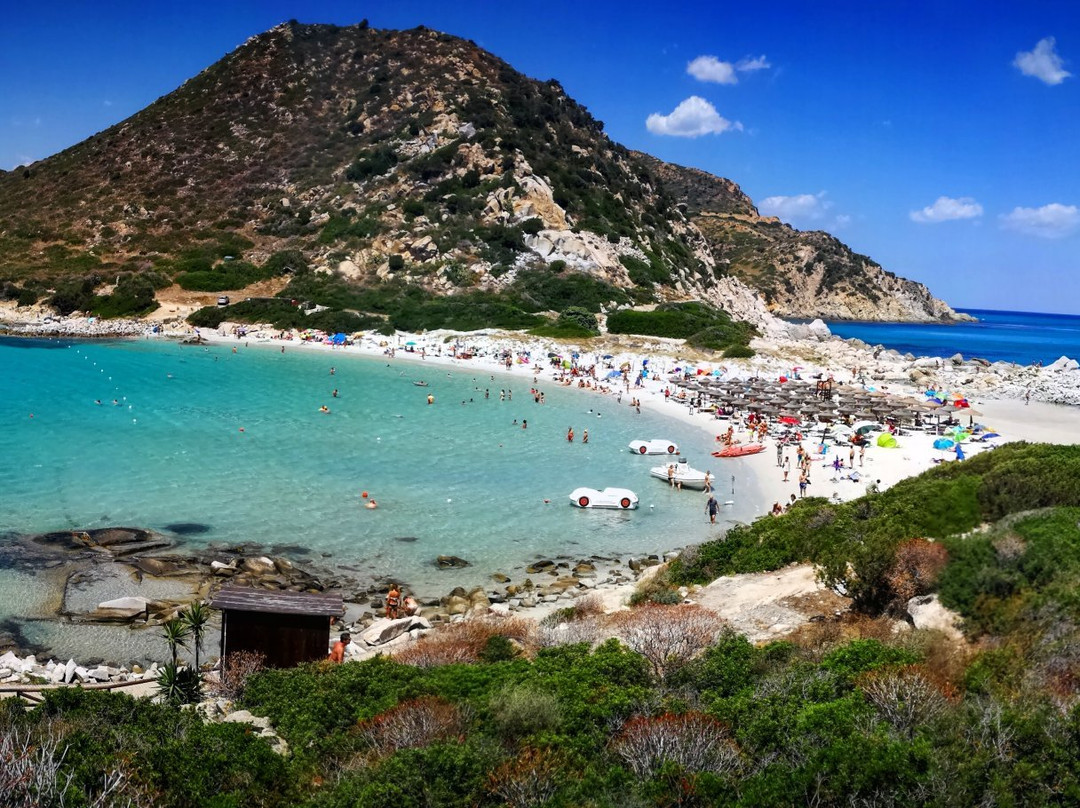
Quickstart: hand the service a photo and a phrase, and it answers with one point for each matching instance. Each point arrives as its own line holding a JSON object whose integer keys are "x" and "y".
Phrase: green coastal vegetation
{"x": 678, "y": 711}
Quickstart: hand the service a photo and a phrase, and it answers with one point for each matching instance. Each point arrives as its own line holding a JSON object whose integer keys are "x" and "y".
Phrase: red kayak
{"x": 740, "y": 449}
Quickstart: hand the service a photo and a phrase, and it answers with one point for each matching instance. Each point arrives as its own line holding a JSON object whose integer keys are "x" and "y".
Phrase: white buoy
{"x": 449, "y": 500}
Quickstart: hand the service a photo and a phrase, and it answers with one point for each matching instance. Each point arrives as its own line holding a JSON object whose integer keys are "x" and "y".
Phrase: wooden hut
{"x": 286, "y": 627}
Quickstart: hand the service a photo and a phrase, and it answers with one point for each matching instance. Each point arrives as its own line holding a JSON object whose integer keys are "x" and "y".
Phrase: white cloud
{"x": 747, "y": 64}
{"x": 946, "y": 209}
{"x": 711, "y": 69}
{"x": 805, "y": 207}
{"x": 693, "y": 117}
{"x": 1050, "y": 221}
{"x": 1042, "y": 63}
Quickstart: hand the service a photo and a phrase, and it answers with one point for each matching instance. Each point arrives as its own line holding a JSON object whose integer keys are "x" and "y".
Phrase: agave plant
{"x": 178, "y": 685}
{"x": 195, "y": 619}
{"x": 175, "y": 633}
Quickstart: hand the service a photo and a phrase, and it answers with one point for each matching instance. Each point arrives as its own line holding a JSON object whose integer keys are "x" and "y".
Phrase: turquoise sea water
{"x": 1010, "y": 336}
{"x": 453, "y": 478}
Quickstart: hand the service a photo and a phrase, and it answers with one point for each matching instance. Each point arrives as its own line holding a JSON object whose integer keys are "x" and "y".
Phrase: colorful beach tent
{"x": 886, "y": 441}
{"x": 943, "y": 443}
{"x": 338, "y": 339}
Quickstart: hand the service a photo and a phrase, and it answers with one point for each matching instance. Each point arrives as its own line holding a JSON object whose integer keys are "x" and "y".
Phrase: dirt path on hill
{"x": 177, "y": 303}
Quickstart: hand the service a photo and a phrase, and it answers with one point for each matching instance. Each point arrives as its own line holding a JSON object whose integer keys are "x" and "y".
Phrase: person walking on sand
{"x": 337, "y": 652}
{"x": 803, "y": 482}
{"x": 779, "y": 454}
{"x": 862, "y": 454}
{"x": 787, "y": 467}
{"x": 712, "y": 507}
{"x": 393, "y": 602}
{"x": 851, "y": 457}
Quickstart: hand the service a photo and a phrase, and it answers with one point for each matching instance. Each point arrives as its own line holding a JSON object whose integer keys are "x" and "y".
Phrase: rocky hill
{"x": 412, "y": 159}
{"x": 800, "y": 274}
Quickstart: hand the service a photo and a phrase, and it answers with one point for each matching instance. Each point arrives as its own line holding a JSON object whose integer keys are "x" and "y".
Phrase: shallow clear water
{"x": 452, "y": 478}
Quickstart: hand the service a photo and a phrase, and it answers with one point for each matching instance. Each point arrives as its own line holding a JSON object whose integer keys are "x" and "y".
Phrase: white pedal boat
{"x": 622, "y": 499}
{"x": 682, "y": 473}
{"x": 656, "y": 446}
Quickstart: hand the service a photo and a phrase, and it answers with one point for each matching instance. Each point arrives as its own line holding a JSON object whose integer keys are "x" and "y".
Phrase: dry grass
{"x": 465, "y": 641}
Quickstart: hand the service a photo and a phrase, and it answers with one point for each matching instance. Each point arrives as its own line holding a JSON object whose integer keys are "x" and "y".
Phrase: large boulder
{"x": 383, "y": 631}
{"x": 926, "y": 612}
{"x": 125, "y": 608}
{"x": 1064, "y": 363}
{"x": 259, "y": 566}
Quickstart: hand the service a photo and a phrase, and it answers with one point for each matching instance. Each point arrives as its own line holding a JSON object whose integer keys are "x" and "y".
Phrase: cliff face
{"x": 800, "y": 274}
{"x": 417, "y": 157}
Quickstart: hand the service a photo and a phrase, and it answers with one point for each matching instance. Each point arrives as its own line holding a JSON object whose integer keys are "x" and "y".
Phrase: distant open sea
{"x": 1009, "y": 336}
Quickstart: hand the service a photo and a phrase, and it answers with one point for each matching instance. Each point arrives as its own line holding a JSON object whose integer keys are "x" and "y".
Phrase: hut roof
{"x": 247, "y": 599}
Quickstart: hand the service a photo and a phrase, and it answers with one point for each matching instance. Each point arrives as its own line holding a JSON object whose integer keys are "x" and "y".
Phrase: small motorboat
{"x": 740, "y": 450}
{"x": 420, "y": 384}
{"x": 682, "y": 473}
{"x": 615, "y": 498}
{"x": 656, "y": 446}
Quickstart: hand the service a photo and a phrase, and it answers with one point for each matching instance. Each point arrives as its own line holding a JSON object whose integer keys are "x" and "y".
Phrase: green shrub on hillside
{"x": 133, "y": 296}
{"x": 223, "y": 277}
{"x": 370, "y": 165}
{"x": 548, "y": 289}
{"x": 1020, "y": 572}
{"x": 853, "y": 543}
{"x": 577, "y": 316}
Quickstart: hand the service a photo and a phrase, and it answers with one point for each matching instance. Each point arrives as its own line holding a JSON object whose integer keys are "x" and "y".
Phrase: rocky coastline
{"x": 153, "y": 580}
{"x": 177, "y": 575}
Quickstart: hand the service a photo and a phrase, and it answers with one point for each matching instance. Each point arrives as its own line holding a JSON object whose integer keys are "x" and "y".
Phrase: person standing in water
{"x": 570, "y": 435}
{"x": 712, "y": 507}
{"x": 585, "y": 436}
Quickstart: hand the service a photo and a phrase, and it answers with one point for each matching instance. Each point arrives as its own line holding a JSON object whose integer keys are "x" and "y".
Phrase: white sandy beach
{"x": 770, "y": 604}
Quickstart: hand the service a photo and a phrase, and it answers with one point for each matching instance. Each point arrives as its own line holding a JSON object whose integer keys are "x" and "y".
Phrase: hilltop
{"x": 364, "y": 167}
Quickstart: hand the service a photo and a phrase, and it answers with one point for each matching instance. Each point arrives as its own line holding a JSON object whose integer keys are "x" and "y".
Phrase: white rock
{"x": 245, "y": 717}
{"x": 928, "y": 613}
{"x": 100, "y": 674}
{"x": 384, "y": 630}
{"x": 9, "y": 660}
{"x": 132, "y": 606}
{"x": 1064, "y": 363}
{"x": 69, "y": 671}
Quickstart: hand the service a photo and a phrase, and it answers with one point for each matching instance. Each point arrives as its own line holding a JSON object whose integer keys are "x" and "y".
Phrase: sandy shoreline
{"x": 760, "y": 479}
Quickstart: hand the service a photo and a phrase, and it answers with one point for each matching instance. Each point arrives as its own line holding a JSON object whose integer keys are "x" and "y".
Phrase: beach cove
{"x": 758, "y": 481}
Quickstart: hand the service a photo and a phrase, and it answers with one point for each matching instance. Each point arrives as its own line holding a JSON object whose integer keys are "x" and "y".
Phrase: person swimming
{"x": 324, "y": 409}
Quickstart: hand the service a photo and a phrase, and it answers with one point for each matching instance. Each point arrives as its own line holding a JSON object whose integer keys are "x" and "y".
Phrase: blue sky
{"x": 939, "y": 138}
